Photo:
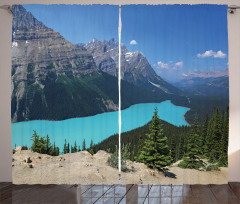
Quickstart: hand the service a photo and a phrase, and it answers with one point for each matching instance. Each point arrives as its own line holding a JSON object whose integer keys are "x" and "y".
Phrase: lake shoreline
{"x": 97, "y": 127}
{"x": 93, "y": 115}
{"x": 102, "y": 113}
{"x": 184, "y": 118}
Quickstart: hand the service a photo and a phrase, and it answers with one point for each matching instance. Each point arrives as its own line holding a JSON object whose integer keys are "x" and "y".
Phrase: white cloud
{"x": 169, "y": 65}
{"x": 208, "y": 53}
{"x": 179, "y": 64}
{"x": 162, "y": 65}
{"x": 133, "y": 42}
{"x": 211, "y": 53}
{"x": 220, "y": 54}
{"x": 184, "y": 75}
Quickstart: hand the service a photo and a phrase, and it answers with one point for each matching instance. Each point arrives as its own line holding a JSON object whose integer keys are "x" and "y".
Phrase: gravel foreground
{"x": 83, "y": 168}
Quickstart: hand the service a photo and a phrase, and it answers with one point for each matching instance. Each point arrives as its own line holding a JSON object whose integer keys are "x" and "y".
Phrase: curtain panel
{"x": 168, "y": 104}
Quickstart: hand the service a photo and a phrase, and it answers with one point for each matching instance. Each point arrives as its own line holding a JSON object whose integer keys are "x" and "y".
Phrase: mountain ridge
{"x": 134, "y": 65}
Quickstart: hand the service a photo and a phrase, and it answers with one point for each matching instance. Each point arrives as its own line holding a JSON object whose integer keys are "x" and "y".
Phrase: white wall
{"x": 5, "y": 77}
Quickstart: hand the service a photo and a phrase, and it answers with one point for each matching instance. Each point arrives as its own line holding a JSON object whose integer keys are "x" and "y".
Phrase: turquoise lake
{"x": 97, "y": 127}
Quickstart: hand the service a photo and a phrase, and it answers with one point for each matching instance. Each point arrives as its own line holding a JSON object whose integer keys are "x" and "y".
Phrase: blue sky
{"x": 176, "y": 39}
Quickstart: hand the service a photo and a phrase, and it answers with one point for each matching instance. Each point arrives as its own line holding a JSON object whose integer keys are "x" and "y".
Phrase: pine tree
{"x": 43, "y": 145}
{"x": 68, "y": 148}
{"x": 185, "y": 143}
{"x": 91, "y": 144}
{"x": 133, "y": 153}
{"x": 204, "y": 147}
{"x": 173, "y": 149}
{"x": 215, "y": 136}
{"x": 49, "y": 147}
{"x": 156, "y": 152}
{"x": 223, "y": 158}
{"x": 192, "y": 159}
{"x": 84, "y": 145}
{"x": 179, "y": 150}
{"x": 36, "y": 146}
{"x": 209, "y": 138}
{"x": 91, "y": 151}
{"x": 55, "y": 151}
{"x": 74, "y": 148}
{"x": 140, "y": 146}
{"x": 65, "y": 148}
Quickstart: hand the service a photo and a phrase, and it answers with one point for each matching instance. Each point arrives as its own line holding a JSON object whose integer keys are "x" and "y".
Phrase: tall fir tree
{"x": 74, "y": 148}
{"x": 180, "y": 151}
{"x": 91, "y": 150}
{"x": 49, "y": 147}
{"x": 68, "y": 148}
{"x": 36, "y": 145}
{"x": 84, "y": 145}
{"x": 192, "y": 159}
{"x": 140, "y": 145}
{"x": 156, "y": 152}
{"x": 215, "y": 136}
{"x": 185, "y": 143}
{"x": 65, "y": 147}
{"x": 209, "y": 139}
{"x": 223, "y": 158}
{"x": 173, "y": 148}
{"x": 55, "y": 150}
{"x": 204, "y": 131}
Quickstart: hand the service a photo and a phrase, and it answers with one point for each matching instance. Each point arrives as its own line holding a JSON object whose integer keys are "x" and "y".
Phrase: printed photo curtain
{"x": 173, "y": 98}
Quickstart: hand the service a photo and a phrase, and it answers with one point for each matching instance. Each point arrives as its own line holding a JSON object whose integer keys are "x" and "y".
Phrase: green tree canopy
{"x": 156, "y": 152}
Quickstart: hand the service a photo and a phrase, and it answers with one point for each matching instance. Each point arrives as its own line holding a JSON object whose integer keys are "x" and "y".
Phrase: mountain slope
{"x": 135, "y": 67}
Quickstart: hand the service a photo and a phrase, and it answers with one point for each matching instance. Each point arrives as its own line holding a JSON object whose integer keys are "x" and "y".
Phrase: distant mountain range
{"x": 207, "y": 74}
{"x": 206, "y": 83}
{"x": 54, "y": 79}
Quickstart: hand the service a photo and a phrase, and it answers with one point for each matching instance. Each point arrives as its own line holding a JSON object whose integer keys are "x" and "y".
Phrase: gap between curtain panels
{"x": 119, "y": 94}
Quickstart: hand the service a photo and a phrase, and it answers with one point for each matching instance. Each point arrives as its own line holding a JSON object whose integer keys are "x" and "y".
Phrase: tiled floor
{"x": 110, "y": 194}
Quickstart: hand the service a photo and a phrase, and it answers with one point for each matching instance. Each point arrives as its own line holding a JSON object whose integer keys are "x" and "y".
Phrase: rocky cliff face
{"x": 135, "y": 67}
{"x": 48, "y": 71}
{"x": 39, "y": 49}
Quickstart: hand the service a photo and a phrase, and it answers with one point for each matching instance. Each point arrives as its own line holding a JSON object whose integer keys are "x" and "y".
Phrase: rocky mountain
{"x": 53, "y": 79}
{"x": 135, "y": 66}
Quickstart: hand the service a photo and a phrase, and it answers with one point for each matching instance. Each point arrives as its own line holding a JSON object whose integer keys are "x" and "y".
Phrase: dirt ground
{"x": 83, "y": 168}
